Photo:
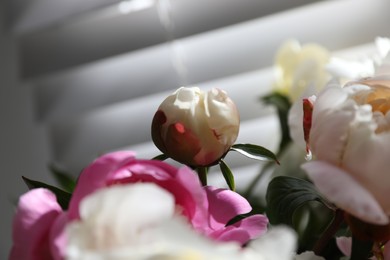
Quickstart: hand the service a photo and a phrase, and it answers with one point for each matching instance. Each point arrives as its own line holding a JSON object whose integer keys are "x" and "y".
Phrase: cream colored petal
{"x": 280, "y": 239}
{"x": 367, "y": 159}
{"x": 344, "y": 191}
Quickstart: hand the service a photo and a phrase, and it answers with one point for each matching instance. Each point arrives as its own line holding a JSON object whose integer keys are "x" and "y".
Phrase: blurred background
{"x": 80, "y": 78}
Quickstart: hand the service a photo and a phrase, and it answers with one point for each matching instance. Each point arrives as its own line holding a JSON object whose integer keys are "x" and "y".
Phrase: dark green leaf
{"x": 285, "y": 195}
{"x": 160, "y": 157}
{"x": 227, "y": 174}
{"x": 361, "y": 249}
{"x": 65, "y": 180}
{"x": 282, "y": 104}
{"x": 63, "y": 197}
{"x": 255, "y": 152}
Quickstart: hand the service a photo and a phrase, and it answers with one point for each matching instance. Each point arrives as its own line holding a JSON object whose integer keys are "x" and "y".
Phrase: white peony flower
{"x": 340, "y": 70}
{"x": 139, "y": 222}
{"x": 299, "y": 68}
{"x": 350, "y": 137}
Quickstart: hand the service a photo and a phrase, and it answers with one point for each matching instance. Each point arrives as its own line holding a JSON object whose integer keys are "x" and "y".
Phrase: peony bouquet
{"x": 331, "y": 203}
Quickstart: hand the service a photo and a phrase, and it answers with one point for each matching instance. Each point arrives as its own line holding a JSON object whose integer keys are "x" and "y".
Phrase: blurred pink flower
{"x": 38, "y": 229}
{"x": 208, "y": 209}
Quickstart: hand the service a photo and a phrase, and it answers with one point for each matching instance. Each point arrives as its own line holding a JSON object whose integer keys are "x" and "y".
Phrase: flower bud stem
{"x": 330, "y": 231}
{"x": 202, "y": 174}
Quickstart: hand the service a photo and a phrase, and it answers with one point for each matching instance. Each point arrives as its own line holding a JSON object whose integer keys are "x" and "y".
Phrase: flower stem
{"x": 202, "y": 174}
{"x": 254, "y": 182}
{"x": 328, "y": 234}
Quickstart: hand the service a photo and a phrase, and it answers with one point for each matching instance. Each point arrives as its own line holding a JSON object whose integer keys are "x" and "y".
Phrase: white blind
{"x": 99, "y": 71}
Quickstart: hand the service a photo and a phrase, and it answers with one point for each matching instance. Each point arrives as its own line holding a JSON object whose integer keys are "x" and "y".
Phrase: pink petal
{"x": 340, "y": 188}
{"x": 345, "y": 245}
{"x": 95, "y": 177}
{"x": 197, "y": 200}
{"x": 225, "y": 205}
{"x": 244, "y": 230}
{"x": 37, "y": 210}
{"x": 58, "y": 237}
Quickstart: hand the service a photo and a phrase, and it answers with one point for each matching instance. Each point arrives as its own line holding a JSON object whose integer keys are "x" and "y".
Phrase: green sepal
{"x": 161, "y": 157}
{"x": 227, "y": 174}
{"x": 65, "y": 180}
{"x": 63, "y": 197}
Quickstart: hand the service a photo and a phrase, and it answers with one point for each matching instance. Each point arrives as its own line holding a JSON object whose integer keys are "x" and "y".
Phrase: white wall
{"x": 23, "y": 145}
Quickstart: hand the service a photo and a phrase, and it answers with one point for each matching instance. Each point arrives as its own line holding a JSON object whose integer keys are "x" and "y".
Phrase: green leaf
{"x": 65, "y": 180}
{"x": 282, "y": 104}
{"x": 255, "y": 152}
{"x": 285, "y": 195}
{"x": 160, "y": 157}
{"x": 227, "y": 174}
{"x": 63, "y": 197}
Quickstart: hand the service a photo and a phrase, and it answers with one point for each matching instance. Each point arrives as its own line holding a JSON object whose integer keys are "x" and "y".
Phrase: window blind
{"x": 98, "y": 71}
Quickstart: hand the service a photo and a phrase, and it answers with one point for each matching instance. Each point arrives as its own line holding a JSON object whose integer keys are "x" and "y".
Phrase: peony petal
{"x": 37, "y": 210}
{"x": 95, "y": 177}
{"x": 58, "y": 237}
{"x": 343, "y": 190}
{"x": 279, "y": 243}
{"x": 192, "y": 197}
{"x": 329, "y": 132}
{"x": 225, "y": 205}
{"x": 365, "y": 159}
{"x": 345, "y": 245}
{"x": 244, "y": 230}
{"x": 118, "y": 216}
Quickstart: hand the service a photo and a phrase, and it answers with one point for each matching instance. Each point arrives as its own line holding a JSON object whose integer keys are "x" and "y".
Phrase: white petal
{"x": 279, "y": 243}
{"x": 366, "y": 158}
{"x": 340, "y": 188}
{"x": 119, "y": 213}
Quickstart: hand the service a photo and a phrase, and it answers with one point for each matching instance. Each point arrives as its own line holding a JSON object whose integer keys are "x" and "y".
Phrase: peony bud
{"x": 194, "y": 127}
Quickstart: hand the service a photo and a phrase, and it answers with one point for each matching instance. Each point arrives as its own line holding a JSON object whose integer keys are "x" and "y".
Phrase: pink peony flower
{"x": 208, "y": 209}
{"x": 38, "y": 230}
